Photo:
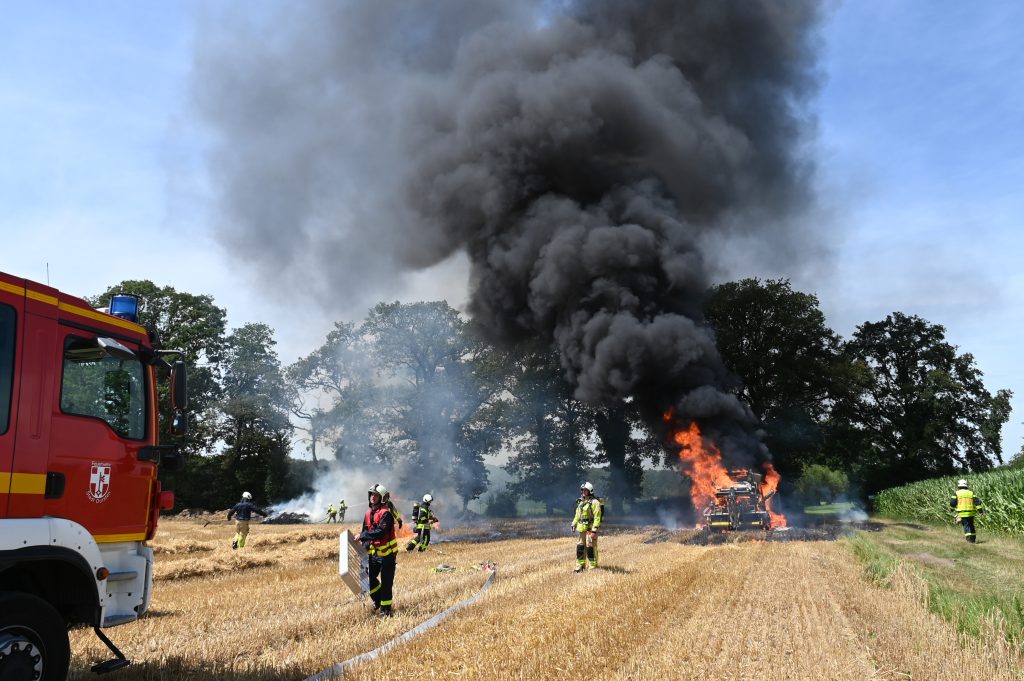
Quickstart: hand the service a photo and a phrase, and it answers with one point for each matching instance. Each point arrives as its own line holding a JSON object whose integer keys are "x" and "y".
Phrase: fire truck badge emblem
{"x": 99, "y": 482}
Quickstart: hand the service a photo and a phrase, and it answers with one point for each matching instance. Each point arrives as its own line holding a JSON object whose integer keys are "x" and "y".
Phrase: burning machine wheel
{"x": 33, "y": 640}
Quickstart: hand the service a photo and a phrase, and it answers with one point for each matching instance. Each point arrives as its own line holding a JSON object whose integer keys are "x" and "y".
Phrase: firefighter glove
{"x": 399, "y": 523}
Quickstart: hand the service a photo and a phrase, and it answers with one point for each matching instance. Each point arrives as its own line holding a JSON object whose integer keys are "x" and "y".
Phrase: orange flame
{"x": 769, "y": 486}
{"x": 702, "y": 463}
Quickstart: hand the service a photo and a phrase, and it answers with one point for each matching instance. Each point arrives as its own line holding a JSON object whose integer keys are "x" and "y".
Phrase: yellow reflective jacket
{"x": 588, "y": 514}
{"x": 965, "y": 503}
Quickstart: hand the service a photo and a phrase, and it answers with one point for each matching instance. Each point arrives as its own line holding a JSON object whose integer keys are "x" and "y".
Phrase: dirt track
{"x": 752, "y": 610}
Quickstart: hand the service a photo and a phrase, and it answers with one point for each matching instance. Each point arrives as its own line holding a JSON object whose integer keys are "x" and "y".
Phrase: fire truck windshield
{"x": 112, "y": 389}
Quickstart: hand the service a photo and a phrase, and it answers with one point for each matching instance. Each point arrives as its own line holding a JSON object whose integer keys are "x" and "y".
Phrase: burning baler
{"x": 740, "y": 505}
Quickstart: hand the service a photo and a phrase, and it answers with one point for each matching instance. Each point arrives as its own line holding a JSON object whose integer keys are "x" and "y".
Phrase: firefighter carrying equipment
{"x": 588, "y": 514}
{"x": 424, "y": 518}
{"x": 378, "y": 536}
{"x": 966, "y": 505}
{"x": 586, "y": 522}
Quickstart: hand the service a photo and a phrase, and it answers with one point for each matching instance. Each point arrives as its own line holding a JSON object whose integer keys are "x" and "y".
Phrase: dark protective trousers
{"x": 420, "y": 541}
{"x": 969, "y": 533}
{"x": 382, "y": 580}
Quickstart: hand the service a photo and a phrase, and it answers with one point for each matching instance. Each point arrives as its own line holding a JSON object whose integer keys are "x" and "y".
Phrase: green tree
{"x": 624, "y": 442}
{"x": 821, "y": 483}
{"x": 547, "y": 428}
{"x": 256, "y": 424}
{"x": 787, "y": 360}
{"x": 438, "y": 376}
{"x": 923, "y": 410}
{"x": 483, "y": 377}
{"x": 339, "y": 374}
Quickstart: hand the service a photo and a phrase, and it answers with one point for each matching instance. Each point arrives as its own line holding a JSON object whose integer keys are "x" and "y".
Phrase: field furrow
{"x": 753, "y": 610}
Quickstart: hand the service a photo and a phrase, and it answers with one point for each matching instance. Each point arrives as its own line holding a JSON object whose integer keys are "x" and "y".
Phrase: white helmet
{"x": 246, "y": 496}
{"x": 427, "y": 498}
{"x": 378, "y": 489}
{"x": 587, "y": 486}
{"x": 961, "y": 484}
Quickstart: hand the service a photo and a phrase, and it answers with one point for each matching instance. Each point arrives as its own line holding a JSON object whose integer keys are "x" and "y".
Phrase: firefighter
{"x": 966, "y": 505}
{"x": 244, "y": 510}
{"x": 586, "y": 522}
{"x": 378, "y": 536}
{"x": 332, "y": 514}
{"x": 341, "y": 511}
{"x": 424, "y": 518}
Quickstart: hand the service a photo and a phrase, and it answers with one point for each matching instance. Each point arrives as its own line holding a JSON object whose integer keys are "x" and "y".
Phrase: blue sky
{"x": 920, "y": 149}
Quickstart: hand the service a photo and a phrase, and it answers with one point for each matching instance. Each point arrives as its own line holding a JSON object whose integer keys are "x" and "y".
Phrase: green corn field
{"x": 1001, "y": 492}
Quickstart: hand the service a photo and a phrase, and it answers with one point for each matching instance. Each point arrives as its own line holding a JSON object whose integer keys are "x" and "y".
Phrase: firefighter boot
{"x": 410, "y": 546}
{"x": 580, "y": 564}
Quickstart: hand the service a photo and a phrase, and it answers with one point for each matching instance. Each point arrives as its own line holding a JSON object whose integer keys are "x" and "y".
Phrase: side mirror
{"x": 179, "y": 386}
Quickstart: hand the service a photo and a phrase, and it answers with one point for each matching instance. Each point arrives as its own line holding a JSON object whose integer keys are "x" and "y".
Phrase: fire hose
{"x": 337, "y": 671}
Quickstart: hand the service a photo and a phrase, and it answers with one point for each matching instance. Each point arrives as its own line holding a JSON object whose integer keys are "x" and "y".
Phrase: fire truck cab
{"x": 79, "y": 451}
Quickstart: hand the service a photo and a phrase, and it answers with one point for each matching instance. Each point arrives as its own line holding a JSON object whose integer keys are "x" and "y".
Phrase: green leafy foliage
{"x": 922, "y": 410}
{"x": 547, "y": 428}
{"x": 1001, "y": 491}
{"x": 501, "y": 504}
{"x": 820, "y": 483}
{"x": 787, "y": 360}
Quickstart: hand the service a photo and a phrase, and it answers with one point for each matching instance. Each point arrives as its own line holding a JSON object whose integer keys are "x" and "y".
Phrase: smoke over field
{"x": 593, "y": 159}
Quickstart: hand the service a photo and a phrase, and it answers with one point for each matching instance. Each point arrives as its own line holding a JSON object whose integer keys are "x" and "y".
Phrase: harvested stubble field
{"x": 659, "y": 608}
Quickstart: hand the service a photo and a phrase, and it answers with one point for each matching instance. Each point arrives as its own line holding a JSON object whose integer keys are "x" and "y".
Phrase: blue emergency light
{"x": 125, "y": 306}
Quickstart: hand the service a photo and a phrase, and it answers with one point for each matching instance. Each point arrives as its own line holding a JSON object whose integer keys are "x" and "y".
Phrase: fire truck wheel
{"x": 33, "y": 639}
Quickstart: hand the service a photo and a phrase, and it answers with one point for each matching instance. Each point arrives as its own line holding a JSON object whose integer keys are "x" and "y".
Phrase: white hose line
{"x": 337, "y": 671}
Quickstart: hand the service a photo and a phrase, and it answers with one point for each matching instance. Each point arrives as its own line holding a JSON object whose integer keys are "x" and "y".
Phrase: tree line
{"x": 418, "y": 390}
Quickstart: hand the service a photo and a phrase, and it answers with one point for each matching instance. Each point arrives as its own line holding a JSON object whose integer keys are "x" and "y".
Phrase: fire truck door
{"x": 99, "y": 427}
{"x": 10, "y": 311}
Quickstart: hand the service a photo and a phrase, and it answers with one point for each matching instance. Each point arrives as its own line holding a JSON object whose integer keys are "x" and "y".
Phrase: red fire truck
{"x": 79, "y": 451}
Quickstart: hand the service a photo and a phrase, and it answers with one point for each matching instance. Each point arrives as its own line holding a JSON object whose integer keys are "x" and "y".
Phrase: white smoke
{"x": 331, "y": 487}
{"x": 854, "y": 514}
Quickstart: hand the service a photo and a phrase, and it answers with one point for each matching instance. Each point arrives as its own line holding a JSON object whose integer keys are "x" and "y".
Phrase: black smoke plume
{"x": 591, "y": 158}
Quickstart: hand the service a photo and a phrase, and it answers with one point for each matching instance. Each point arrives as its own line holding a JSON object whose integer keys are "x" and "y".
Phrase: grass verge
{"x": 976, "y": 587}
{"x": 829, "y": 509}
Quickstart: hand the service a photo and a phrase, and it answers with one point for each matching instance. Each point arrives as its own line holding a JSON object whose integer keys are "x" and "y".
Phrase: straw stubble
{"x": 764, "y": 610}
